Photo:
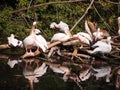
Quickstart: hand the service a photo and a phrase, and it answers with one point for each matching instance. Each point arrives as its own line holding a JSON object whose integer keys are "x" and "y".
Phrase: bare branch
{"x": 43, "y": 4}
{"x": 83, "y": 15}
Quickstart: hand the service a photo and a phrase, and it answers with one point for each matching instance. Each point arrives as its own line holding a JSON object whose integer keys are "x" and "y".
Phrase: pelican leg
{"x": 74, "y": 54}
{"x": 52, "y": 51}
{"x": 37, "y": 52}
{"x": 31, "y": 53}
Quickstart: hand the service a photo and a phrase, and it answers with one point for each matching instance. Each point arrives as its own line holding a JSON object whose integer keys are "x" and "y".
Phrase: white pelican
{"x": 98, "y": 34}
{"x": 59, "y": 37}
{"x": 94, "y": 32}
{"x": 13, "y": 41}
{"x": 41, "y": 42}
{"x": 63, "y": 28}
{"x": 34, "y": 40}
{"x": 84, "y": 37}
{"x": 103, "y": 47}
{"x": 62, "y": 70}
{"x": 118, "y": 25}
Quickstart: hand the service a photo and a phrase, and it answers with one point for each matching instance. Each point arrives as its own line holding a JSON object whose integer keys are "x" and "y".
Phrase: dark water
{"x": 15, "y": 74}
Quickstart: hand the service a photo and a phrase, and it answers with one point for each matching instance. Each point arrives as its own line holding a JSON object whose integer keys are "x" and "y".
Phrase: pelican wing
{"x": 12, "y": 40}
{"x": 63, "y": 26}
{"x": 41, "y": 42}
{"x": 60, "y": 37}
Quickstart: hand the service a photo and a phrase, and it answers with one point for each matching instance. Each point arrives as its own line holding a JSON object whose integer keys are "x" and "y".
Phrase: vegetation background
{"x": 16, "y": 16}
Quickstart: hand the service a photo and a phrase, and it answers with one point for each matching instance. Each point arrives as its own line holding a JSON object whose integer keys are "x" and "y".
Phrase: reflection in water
{"x": 32, "y": 73}
{"x": 62, "y": 70}
{"x": 12, "y": 63}
{"x": 102, "y": 72}
{"x": 82, "y": 75}
{"x": 33, "y": 69}
{"x": 118, "y": 79}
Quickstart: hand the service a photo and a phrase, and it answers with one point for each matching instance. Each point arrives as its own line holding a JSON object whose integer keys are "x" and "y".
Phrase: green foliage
{"x": 20, "y": 23}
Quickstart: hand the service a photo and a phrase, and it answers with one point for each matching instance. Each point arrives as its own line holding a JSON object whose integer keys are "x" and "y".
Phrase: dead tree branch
{"x": 4, "y": 46}
{"x": 83, "y": 15}
{"x": 43, "y": 4}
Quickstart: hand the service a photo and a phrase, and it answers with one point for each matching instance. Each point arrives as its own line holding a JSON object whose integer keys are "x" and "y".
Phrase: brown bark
{"x": 4, "y": 46}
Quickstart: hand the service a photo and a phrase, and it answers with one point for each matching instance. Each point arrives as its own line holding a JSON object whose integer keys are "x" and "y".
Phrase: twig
{"x": 118, "y": 3}
{"x": 81, "y": 88}
{"x": 82, "y": 15}
{"x": 102, "y": 18}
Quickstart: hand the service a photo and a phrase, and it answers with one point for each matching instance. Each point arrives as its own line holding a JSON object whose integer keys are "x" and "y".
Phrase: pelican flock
{"x": 97, "y": 39}
{"x": 93, "y": 39}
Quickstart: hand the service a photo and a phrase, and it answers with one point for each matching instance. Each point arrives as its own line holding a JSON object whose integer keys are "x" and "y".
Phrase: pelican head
{"x": 62, "y": 26}
{"x": 12, "y": 35}
{"x": 34, "y": 23}
{"x": 53, "y": 25}
{"x": 98, "y": 34}
{"x": 118, "y": 18}
{"x": 109, "y": 40}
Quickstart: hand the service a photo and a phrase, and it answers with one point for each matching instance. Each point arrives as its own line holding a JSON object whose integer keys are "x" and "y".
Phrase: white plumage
{"x": 98, "y": 34}
{"x": 41, "y": 42}
{"x": 62, "y": 26}
{"x": 34, "y": 40}
{"x": 61, "y": 36}
{"x": 84, "y": 37}
{"x": 103, "y": 47}
{"x": 13, "y": 41}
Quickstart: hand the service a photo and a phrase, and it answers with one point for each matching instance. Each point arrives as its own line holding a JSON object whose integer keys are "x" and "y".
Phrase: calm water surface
{"x": 36, "y": 74}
